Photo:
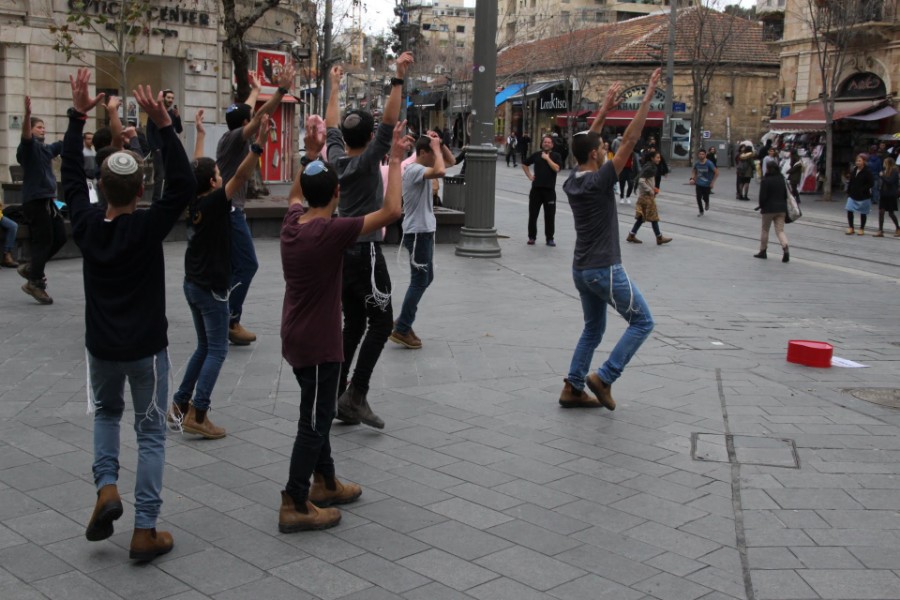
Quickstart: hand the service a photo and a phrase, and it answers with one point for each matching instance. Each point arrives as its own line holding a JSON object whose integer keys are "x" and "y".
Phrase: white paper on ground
{"x": 837, "y": 361}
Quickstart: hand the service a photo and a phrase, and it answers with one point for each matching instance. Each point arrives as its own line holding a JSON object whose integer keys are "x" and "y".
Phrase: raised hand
{"x": 81, "y": 97}
{"x": 286, "y": 76}
{"x": 253, "y": 80}
{"x": 112, "y": 104}
{"x": 613, "y": 96}
{"x": 315, "y": 136}
{"x": 153, "y": 106}
{"x": 27, "y": 107}
{"x": 337, "y": 73}
{"x": 402, "y": 142}
{"x": 198, "y": 122}
{"x": 263, "y": 132}
{"x": 403, "y": 63}
{"x": 651, "y": 85}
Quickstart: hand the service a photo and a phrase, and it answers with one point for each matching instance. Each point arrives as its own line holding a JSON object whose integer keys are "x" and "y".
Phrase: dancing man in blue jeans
{"x": 597, "y": 269}
{"x": 125, "y": 311}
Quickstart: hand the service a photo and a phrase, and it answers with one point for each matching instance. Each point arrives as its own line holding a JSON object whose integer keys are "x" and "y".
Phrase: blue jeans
{"x": 243, "y": 263}
{"x": 597, "y": 288}
{"x": 210, "y": 315}
{"x": 421, "y": 252}
{"x": 148, "y": 379}
{"x": 11, "y": 228}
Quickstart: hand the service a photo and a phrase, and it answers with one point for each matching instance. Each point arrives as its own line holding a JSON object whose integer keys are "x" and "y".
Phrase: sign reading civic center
{"x": 163, "y": 15}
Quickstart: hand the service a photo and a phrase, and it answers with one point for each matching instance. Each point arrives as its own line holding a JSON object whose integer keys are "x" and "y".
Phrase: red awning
{"x": 562, "y": 120}
{"x": 286, "y": 98}
{"x": 813, "y": 117}
{"x": 623, "y": 118}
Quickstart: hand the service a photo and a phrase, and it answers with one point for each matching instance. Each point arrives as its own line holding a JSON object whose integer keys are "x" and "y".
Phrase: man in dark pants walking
{"x": 546, "y": 163}
{"x": 155, "y": 142}
{"x": 45, "y": 224}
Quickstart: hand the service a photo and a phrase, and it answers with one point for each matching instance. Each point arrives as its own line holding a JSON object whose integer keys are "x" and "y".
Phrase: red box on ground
{"x": 810, "y": 353}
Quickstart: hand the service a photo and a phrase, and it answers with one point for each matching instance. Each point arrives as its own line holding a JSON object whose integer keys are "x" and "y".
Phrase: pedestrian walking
{"x": 744, "y": 171}
{"x": 419, "y": 226}
{"x": 645, "y": 209}
{"x": 45, "y": 225}
{"x": 627, "y": 176}
{"x": 366, "y": 293}
{"x": 511, "y": 144}
{"x": 773, "y": 210}
{"x": 125, "y": 311}
{"x": 859, "y": 195}
{"x": 547, "y": 164}
{"x": 890, "y": 189}
{"x": 524, "y": 146}
{"x": 597, "y": 268}
{"x": 703, "y": 176}
{"x": 314, "y": 246}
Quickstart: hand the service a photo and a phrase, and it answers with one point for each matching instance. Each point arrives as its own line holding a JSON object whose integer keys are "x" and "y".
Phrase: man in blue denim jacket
{"x": 597, "y": 268}
{"x": 45, "y": 225}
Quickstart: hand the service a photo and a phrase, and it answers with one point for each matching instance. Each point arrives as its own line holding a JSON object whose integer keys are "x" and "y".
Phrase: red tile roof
{"x": 633, "y": 41}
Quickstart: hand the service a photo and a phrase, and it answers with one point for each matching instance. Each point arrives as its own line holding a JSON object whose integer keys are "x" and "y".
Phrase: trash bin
{"x": 455, "y": 193}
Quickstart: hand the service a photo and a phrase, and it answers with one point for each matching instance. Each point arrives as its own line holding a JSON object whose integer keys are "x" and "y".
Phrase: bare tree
{"x": 834, "y": 27}
{"x": 709, "y": 35}
{"x": 236, "y": 27}
{"x": 124, "y": 35}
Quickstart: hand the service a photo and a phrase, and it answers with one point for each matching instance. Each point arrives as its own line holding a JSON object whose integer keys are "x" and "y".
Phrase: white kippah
{"x": 122, "y": 163}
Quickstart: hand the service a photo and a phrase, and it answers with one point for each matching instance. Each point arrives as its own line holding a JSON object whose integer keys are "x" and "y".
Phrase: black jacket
{"x": 860, "y": 185}
{"x": 773, "y": 194}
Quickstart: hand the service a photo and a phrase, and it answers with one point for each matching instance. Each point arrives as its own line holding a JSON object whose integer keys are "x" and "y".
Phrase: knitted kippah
{"x": 352, "y": 120}
{"x": 122, "y": 163}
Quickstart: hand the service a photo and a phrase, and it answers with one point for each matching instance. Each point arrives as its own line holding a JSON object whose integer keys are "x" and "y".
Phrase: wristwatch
{"x": 283, "y": 90}
{"x": 305, "y": 160}
{"x": 256, "y": 149}
{"x": 396, "y": 81}
{"x": 74, "y": 114}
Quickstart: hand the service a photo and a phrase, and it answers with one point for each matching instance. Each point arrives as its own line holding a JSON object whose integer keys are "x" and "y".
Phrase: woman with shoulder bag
{"x": 773, "y": 208}
{"x": 890, "y": 189}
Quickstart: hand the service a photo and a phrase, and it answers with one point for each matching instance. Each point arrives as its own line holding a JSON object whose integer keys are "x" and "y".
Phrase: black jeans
{"x": 702, "y": 193}
{"x": 312, "y": 446}
{"x": 537, "y": 198}
{"x": 511, "y": 153}
{"x": 362, "y": 316}
{"x": 48, "y": 234}
{"x": 626, "y": 178}
{"x": 159, "y": 175}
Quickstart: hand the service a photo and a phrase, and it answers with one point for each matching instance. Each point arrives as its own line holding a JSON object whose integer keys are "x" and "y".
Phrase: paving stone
{"x": 45, "y": 527}
{"x": 590, "y": 488}
{"x": 139, "y": 581}
{"x": 774, "y": 558}
{"x": 826, "y": 558}
{"x": 730, "y": 583}
{"x": 398, "y": 515}
{"x": 506, "y": 589}
{"x": 529, "y": 469}
{"x": 609, "y": 565}
{"x": 383, "y": 541}
{"x": 410, "y": 491}
{"x": 675, "y": 564}
{"x": 533, "y": 493}
{"x": 462, "y": 540}
{"x": 780, "y": 585}
{"x": 534, "y": 537}
{"x": 320, "y": 579}
{"x": 619, "y": 544}
{"x": 815, "y": 499}
{"x": 34, "y": 476}
{"x": 322, "y": 544}
{"x": 435, "y": 591}
{"x": 546, "y": 519}
{"x": 843, "y": 583}
{"x": 602, "y": 516}
{"x": 383, "y": 573}
{"x": 447, "y": 569}
{"x": 531, "y": 568}
{"x": 671, "y": 587}
{"x": 659, "y": 510}
{"x": 269, "y": 588}
{"x": 259, "y": 550}
{"x": 29, "y": 562}
{"x": 469, "y": 513}
{"x": 73, "y": 586}
{"x": 472, "y": 473}
{"x": 673, "y": 540}
{"x": 592, "y": 586}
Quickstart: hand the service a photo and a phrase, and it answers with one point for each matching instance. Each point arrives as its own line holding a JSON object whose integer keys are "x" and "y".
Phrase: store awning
{"x": 535, "y": 88}
{"x": 286, "y": 98}
{"x": 506, "y": 92}
{"x": 813, "y": 117}
{"x": 563, "y": 119}
{"x": 623, "y": 118}
{"x": 885, "y": 112}
{"x": 426, "y": 100}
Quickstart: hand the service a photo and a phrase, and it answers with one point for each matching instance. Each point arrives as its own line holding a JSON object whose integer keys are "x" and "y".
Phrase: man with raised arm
{"x": 125, "y": 311}
{"x": 356, "y": 155}
{"x": 313, "y": 245}
{"x": 233, "y": 147}
{"x": 597, "y": 268}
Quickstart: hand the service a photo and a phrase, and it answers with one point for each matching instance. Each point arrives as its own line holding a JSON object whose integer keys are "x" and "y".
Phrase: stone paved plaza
{"x": 481, "y": 486}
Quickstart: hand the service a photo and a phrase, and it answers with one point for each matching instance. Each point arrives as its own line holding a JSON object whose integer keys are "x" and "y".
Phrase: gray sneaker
{"x": 36, "y": 290}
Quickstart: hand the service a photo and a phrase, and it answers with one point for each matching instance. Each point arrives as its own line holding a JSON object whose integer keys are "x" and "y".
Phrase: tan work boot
{"x": 291, "y": 520}
{"x": 572, "y": 398}
{"x": 107, "y": 510}
{"x": 602, "y": 389}
{"x": 37, "y": 290}
{"x": 633, "y": 239}
{"x": 406, "y": 339}
{"x": 661, "y": 239}
{"x": 197, "y": 422}
{"x": 324, "y": 493}
{"x": 239, "y": 336}
{"x": 147, "y": 544}
{"x": 9, "y": 261}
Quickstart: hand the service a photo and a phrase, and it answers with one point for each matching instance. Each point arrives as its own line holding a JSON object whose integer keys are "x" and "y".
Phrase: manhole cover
{"x": 883, "y": 396}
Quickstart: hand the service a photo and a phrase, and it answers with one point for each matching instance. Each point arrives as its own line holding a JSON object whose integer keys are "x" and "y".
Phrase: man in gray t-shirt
{"x": 597, "y": 271}
{"x": 366, "y": 292}
{"x": 230, "y": 153}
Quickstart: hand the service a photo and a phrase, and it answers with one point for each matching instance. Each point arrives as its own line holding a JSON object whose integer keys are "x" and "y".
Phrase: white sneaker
{"x": 627, "y": 200}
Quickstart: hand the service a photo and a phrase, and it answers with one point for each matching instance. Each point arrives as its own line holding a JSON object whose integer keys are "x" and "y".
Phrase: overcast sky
{"x": 378, "y": 15}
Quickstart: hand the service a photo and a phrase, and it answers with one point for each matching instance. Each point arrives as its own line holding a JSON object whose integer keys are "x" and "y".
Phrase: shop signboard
{"x": 679, "y": 107}
{"x": 633, "y": 96}
{"x": 269, "y": 64}
{"x": 681, "y": 139}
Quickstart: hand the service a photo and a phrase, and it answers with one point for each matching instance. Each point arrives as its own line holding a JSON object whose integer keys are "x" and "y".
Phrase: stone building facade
{"x": 179, "y": 47}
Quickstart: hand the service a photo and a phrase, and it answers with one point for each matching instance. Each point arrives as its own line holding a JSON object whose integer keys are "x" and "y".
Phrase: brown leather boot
{"x": 572, "y": 398}
{"x": 107, "y": 510}
{"x": 239, "y": 336}
{"x": 147, "y": 544}
{"x": 633, "y": 239}
{"x": 9, "y": 261}
{"x": 327, "y": 493}
{"x": 197, "y": 421}
{"x": 602, "y": 389}
{"x": 291, "y": 520}
{"x": 661, "y": 239}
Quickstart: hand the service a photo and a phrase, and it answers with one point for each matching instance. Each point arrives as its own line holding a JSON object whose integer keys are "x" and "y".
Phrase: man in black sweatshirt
{"x": 125, "y": 314}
